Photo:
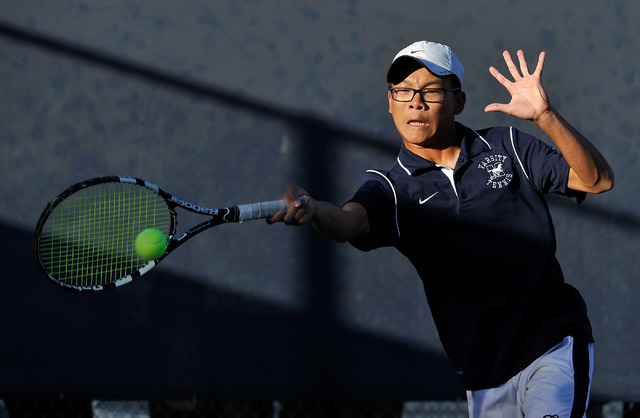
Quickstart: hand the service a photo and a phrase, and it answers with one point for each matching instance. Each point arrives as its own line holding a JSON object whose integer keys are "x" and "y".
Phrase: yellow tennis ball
{"x": 150, "y": 244}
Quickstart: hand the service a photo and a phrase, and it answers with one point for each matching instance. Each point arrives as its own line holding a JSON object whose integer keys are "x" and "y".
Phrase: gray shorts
{"x": 556, "y": 385}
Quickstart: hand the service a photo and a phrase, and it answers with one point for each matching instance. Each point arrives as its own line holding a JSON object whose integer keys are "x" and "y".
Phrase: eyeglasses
{"x": 405, "y": 94}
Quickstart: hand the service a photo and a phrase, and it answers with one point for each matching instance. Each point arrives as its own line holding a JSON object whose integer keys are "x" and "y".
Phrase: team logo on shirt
{"x": 494, "y": 166}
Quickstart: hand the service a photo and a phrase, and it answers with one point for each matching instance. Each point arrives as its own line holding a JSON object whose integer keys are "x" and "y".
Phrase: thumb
{"x": 495, "y": 107}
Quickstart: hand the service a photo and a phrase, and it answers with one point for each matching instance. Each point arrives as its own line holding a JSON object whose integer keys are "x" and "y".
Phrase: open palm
{"x": 528, "y": 98}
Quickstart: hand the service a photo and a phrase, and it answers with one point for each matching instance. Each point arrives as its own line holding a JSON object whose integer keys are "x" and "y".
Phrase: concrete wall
{"x": 228, "y": 101}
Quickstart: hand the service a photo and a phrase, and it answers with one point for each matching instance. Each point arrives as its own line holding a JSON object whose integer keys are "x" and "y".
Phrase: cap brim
{"x": 406, "y": 60}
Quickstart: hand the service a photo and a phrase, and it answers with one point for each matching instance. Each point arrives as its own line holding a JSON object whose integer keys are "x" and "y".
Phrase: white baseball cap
{"x": 437, "y": 58}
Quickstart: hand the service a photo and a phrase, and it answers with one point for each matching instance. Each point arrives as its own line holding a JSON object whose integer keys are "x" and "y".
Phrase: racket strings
{"x": 88, "y": 239}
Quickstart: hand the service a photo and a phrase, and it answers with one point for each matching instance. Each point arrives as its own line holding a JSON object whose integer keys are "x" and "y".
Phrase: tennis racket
{"x": 84, "y": 239}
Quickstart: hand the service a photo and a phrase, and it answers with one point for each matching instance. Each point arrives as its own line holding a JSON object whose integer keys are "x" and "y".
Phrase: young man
{"x": 467, "y": 208}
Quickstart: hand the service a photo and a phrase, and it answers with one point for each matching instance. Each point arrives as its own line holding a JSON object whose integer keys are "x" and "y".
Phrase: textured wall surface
{"x": 228, "y": 101}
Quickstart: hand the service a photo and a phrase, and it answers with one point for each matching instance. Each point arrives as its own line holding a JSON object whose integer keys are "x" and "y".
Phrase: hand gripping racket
{"x": 84, "y": 239}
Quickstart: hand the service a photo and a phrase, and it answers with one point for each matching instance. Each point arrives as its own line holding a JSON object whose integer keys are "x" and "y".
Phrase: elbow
{"x": 603, "y": 184}
{"x": 597, "y": 189}
{"x": 608, "y": 184}
{"x": 607, "y": 181}
{"x": 598, "y": 182}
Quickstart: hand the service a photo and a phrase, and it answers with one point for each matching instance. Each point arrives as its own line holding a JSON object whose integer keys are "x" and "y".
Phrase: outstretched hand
{"x": 301, "y": 209}
{"x": 528, "y": 98}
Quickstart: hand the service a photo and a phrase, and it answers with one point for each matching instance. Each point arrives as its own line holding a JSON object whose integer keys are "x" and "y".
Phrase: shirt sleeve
{"x": 543, "y": 165}
{"x": 377, "y": 197}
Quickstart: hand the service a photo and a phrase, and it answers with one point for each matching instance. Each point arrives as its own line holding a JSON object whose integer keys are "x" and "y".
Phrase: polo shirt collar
{"x": 472, "y": 144}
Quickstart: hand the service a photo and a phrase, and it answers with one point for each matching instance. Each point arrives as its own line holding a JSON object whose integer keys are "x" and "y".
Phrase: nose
{"x": 417, "y": 102}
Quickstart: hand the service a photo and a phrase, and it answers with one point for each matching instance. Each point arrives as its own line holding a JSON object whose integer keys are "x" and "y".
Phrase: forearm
{"x": 590, "y": 170}
{"x": 339, "y": 224}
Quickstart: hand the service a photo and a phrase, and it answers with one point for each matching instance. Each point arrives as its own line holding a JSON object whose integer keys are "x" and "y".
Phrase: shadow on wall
{"x": 164, "y": 337}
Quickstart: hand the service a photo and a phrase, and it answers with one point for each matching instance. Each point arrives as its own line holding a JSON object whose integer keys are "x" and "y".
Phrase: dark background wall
{"x": 228, "y": 101}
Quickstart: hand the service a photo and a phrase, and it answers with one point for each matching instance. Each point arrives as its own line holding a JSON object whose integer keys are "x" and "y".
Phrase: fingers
{"x": 301, "y": 209}
{"x": 498, "y": 76}
{"x": 524, "y": 67}
{"x": 540, "y": 65}
{"x": 300, "y": 212}
{"x": 513, "y": 70}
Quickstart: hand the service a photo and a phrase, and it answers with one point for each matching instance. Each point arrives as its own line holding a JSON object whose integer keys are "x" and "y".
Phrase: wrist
{"x": 547, "y": 117}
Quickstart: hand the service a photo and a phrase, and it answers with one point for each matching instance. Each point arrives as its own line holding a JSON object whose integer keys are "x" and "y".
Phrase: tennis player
{"x": 467, "y": 208}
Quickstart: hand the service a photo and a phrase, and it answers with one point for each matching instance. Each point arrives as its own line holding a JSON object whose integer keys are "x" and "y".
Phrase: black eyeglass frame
{"x": 394, "y": 91}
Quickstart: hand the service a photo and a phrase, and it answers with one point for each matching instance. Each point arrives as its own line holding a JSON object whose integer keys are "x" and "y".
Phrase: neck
{"x": 447, "y": 157}
{"x": 445, "y": 152}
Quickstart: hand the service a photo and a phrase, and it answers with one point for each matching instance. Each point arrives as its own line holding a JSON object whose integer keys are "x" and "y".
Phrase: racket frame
{"x": 217, "y": 216}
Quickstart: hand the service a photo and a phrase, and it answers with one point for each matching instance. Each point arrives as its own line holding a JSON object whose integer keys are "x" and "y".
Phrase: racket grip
{"x": 261, "y": 210}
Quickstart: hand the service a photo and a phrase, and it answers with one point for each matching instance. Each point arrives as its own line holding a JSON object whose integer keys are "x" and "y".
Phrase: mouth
{"x": 417, "y": 123}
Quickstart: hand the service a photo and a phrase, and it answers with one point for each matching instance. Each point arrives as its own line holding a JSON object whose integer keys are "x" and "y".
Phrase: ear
{"x": 461, "y": 100}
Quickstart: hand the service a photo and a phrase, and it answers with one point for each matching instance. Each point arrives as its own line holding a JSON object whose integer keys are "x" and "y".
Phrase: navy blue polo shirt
{"x": 482, "y": 240}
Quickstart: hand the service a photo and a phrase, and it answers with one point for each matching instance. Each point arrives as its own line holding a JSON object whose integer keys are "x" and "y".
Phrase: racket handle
{"x": 261, "y": 210}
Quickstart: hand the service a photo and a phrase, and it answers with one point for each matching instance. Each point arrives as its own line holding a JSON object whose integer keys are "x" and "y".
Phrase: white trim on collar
{"x": 409, "y": 172}
{"x": 483, "y": 140}
{"x": 402, "y": 166}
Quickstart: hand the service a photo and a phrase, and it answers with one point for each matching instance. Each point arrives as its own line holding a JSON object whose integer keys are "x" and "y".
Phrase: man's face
{"x": 423, "y": 124}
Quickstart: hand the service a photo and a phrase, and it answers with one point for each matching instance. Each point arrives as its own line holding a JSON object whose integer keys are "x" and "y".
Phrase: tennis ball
{"x": 150, "y": 244}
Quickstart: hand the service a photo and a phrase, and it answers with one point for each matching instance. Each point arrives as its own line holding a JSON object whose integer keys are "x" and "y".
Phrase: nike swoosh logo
{"x": 423, "y": 201}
